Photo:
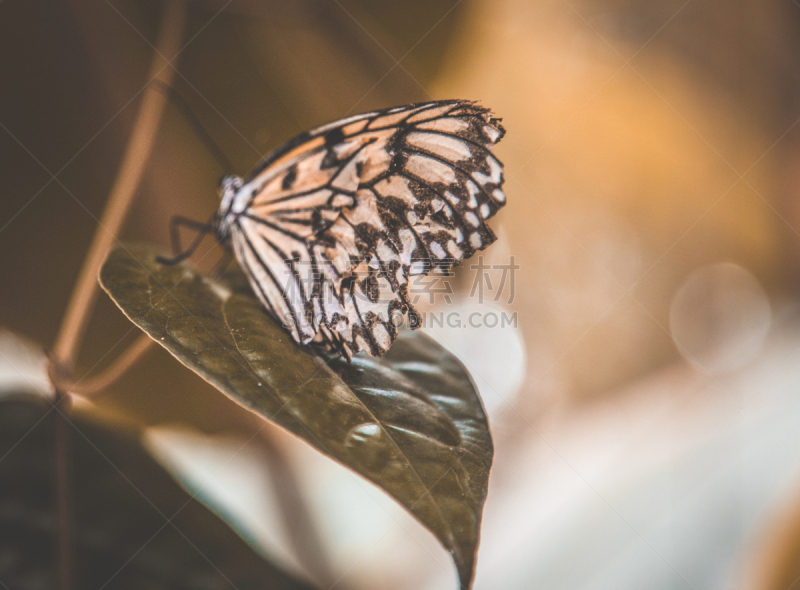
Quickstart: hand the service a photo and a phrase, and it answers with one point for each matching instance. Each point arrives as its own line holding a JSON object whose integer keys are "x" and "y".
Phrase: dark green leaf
{"x": 411, "y": 422}
{"x": 134, "y": 528}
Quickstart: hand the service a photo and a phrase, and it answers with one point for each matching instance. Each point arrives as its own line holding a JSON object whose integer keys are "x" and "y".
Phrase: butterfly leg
{"x": 174, "y": 230}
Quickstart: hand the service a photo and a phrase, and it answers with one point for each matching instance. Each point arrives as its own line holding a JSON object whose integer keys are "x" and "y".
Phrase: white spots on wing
{"x": 475, "y": 240}
{"x": 459, "y": 235}
{"x": 412, "y": 218}
{"x": 473, "y": 190}
{"x": 385, "y": 253}
{"x": 496, "y": 169}
{"x": 417, "y": 268}
{"x": 381, "y": 336}
{"x": 472, "y": 219}
{"x": 499, "y": 195}
{"x": 452, "y": 198}
{"x": 407, "y": 239}
{"x": 454, "y": 250}
{"x": 480, "y": 177}
{"x": 445, "y": 146}
{"x": 448, "y": 211}
{"x": 374, "y": 263}
{"x": 437, "y": 205}
{"x": 485, "y": 210}
{"x": 437, "y": 249}
{"x": 495, "y": 172}
{"x": 430, "y": 170}
{"x": 408, "y": 242}
{"x": 491, "y": 132}
{"x": 445, "y": 124}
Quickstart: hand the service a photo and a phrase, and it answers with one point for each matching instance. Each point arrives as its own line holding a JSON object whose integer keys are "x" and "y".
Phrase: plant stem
{"x": 63, "y": 491}
{"x": 76, "y": 317}
{"x": 92, "y": 386}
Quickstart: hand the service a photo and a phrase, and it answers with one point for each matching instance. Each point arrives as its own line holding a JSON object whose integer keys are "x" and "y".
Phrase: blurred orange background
{"x": 644, "y": 408}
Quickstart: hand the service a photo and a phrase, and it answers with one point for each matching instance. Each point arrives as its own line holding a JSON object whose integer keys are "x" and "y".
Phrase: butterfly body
{"x": 330, "y": 227}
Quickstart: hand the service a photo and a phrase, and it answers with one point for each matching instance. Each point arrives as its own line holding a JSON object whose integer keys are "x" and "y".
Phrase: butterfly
{"x": 331, "y": 226}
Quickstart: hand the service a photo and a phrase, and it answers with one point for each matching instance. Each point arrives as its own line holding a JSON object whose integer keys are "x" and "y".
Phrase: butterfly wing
{"x": 338, "y": 219}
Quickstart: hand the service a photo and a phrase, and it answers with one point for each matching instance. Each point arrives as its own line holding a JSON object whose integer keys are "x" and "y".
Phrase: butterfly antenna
{"x": 195, "y": 124}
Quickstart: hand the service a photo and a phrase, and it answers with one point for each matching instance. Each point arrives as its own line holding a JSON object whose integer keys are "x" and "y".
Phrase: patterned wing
{"x": 336, "y": 221}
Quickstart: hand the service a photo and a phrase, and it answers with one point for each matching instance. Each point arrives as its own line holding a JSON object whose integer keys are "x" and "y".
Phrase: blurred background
{"x": 645, "y": 405}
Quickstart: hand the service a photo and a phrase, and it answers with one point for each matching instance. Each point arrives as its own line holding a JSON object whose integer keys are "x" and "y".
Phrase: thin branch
{"x": 93, "y": 386}
{"x": 63, "y": 486}
{"x": 76, "y": 318}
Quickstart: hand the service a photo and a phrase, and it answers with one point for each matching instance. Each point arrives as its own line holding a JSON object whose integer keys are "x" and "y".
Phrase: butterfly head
{"x": 229, "y": 187}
